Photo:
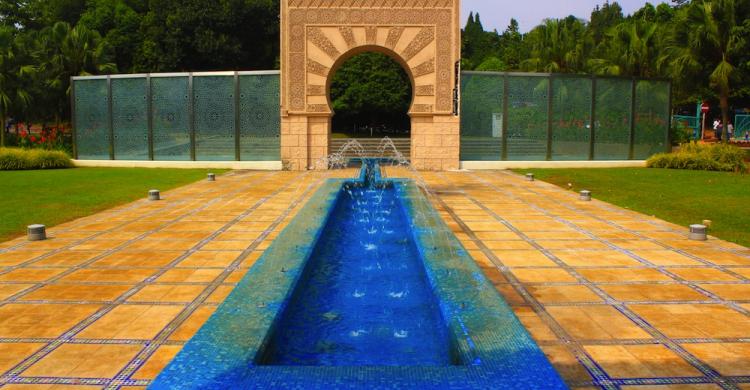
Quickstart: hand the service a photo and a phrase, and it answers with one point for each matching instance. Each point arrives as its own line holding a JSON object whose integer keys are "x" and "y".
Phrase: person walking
{"x": 719, "y": 131}
{"x": 730, "y": 132}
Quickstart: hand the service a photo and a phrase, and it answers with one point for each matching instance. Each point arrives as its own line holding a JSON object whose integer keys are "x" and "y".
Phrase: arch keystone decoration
{"x": 317, "y": 36}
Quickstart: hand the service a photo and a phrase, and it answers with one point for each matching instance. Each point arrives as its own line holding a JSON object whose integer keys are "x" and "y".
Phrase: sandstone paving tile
{"x": 84, "y": 360}
{"x": 139, "y": 322}
{"x": 138, "y": 259}
{"x": 703, "y": 275}
{"x": 98, "y": 245}
{"x": 744, "y": 271}
{"x": 68, "y": 258}
{"x": 8, "y": 290}
{"x": 605, "y": 258}
{"x": 48, "y": 244}
{"x": 161, "y": 245}
{"x": 118, "y": 235}
{"x": 75, "y": 292}
{"x": 170, "y": 235}
{"x": 31, "y": 274}
{"x": 508, "y": 245}
{"x": 536, "y": 327}
{"x": 133, "y": 275}
{"x": 701, "y": 386}
{"x": 695, "y": 321}
{"x": 730, "y": 359}
{"x": 188, "y": 275}
{"x": 13, "y": 353}
{"x": 596, "y": 323}
{"x": 730, "y": 292}
{"x": 543, "y": 275}
{"x": 19, "y": 386}
{"x": 640, "y": 361}
{"x": 510, "y": 294}
{"x": 652, "y": 292}
{"x": 236, "y": 276}
{"x": 157, "y": 362}
{"x": 210, "y": 259}
{"x": 16, "y": 257}
{"x": 217, "y": 245}
{"x": 239, "y": 236}
{"x": 572, "y": 244}
{"x": 191, "y": 325}
{"x": 563, "y": 294}
{"x": 720, "y": 257}
{"x": 637, "y": 244}
{"x": 167, "y": 293}
{"x": 570, "y": 369}
{"x": 666, "y": 258}
{"x": 622, "y": 275}
{"x": 565, "y": 235}
{"x": 521, "y": 258}
{"x": 41, "y": 320}
{"x": 220, "y": 294}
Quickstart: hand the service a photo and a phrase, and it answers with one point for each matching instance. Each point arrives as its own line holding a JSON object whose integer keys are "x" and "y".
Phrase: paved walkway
{"x": 615, "y": 298}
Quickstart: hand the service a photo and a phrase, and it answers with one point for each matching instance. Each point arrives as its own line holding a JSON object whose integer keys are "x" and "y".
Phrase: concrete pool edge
{"x": 495, "y": 348}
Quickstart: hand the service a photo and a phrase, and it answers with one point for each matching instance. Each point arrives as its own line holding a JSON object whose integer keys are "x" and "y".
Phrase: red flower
{"x": 24, "y": 134}
{"x": 43, "y": 139}
{"x": 33, "y": 139}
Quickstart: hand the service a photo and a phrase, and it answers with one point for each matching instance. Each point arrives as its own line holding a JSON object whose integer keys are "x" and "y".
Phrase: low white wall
{"x": 491, "y": 165}
{"x": 249, "y": 165}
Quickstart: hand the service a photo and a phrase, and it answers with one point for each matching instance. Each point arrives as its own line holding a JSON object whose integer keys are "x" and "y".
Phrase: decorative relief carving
{"x": 423, "y": 38}
{"x": 318, "y": 38}
{"x": 316, "y": 90}
{"x": 371, "y": 34}
{"x": 317, "y": 68}
{"x": 394, "y": 34}
{"x": 422, "y": 108}
{"x": 297, "y": 81}
{"x": 424, "y": 68}
{"x": 425, "y": 90}
{"x": 317, "y": 108}
{"x": 377, "y": 4}
{"x": 348, "y": 35}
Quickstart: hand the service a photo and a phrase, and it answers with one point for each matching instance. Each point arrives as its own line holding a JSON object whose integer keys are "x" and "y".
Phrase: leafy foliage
{"x": 13, "y": 159}
{"x": 702, "y": 157}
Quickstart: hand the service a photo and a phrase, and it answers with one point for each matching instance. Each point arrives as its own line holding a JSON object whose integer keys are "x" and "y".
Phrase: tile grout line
{"x": 703, "y": 367}
{"x": 30, "y": 360}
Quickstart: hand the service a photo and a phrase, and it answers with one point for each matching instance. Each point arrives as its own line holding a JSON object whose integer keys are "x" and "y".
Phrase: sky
{"x": 496, "y": 14}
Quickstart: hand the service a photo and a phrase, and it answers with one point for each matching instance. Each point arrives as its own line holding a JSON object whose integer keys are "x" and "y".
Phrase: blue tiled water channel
{"x": 365, "y": 288}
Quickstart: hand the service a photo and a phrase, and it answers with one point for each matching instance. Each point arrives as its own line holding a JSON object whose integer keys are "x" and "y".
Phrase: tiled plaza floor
{"x": 616, "y": 299}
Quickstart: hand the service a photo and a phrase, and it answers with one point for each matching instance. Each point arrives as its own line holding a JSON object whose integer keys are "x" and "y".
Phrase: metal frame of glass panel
{"x": 177, "y": 116}
{"x": 559, "y": 117}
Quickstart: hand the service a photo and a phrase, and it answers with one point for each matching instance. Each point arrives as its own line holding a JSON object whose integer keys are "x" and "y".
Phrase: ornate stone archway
{"x": 318, "y": 35}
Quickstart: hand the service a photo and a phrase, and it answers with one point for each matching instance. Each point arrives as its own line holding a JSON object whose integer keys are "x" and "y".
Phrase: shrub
{"x": 20, "y": 159}
{"x": 703, "y": 157}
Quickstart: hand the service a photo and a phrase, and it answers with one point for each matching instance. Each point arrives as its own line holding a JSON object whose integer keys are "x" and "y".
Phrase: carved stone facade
{"x": 318, "y": 36}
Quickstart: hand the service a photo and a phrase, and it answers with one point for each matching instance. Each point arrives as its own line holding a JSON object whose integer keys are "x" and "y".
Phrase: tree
{"x": 629, "y": 50}
{"x": 119, "y": 25}
{"x": 13, "y": 76}
{"x": 706, "y": 44}
{"x": 557, "y": 46}
{"x": 603, "y": 18}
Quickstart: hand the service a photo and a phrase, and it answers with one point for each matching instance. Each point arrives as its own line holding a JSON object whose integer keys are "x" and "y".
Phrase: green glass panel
{"x": 169, "y": 99}
{"x": 260, "y": 123}
{"x": 130, "y": 118}
{"x": 481, "y": 116}
{"x": 571, "y": 118}
{"x": 613, "y": 104}
{"x": 527, "y": 118}
{"x": 213, "y": 105}
{"x": 92, "y": 119}
{"x": 651, "y": 118}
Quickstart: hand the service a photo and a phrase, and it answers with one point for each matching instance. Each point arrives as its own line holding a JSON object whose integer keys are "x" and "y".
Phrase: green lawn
{"x": 681, "y": 197}
{"x": 51, "y": 197}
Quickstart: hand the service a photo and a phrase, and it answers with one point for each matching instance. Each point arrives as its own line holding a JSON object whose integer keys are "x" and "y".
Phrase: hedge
{"x": 12, "y": 159}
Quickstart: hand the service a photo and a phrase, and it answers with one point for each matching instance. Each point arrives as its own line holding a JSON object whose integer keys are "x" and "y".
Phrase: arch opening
{"x": 370, "y": 93}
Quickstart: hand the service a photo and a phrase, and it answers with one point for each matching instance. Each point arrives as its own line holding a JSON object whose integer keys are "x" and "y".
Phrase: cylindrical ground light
{"x": 36, "y": 232}
{"x": 211, "y": 177}
{"x": 529, "y": 177}
{"x": 154, "y": 195}
{"x": 698, "y": 232}
{"x": 585, "y": 196}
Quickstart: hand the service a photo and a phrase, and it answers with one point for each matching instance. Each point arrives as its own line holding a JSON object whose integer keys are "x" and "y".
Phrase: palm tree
{"x": 558, "y": 45}
{"x": 67, "y": 52}
{"x": 630, "y": 50}
{"x": 13, "y": 73}
{"x": 705, "y": 45}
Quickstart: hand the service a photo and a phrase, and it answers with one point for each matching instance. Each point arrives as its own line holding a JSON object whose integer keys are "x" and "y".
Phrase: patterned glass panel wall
{"x": 260, "y": 123}
{"x": 571, "y": 118}
{"x": 527, "y": 118}
{"x": 92, "y": 119}
{"x": 213, "y": 107}
{"x": 651, "y": 118}
{"x": 481, "y": 116}
{"x": 613, "y": 105}
{"x": 130, "y": 118}
{"x": 169, "y": 99}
